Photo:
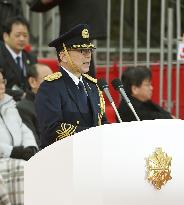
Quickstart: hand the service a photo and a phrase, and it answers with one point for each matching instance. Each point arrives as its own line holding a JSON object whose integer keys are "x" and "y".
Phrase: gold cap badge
{"x": 159, "y": 168}
{"x": 85, "y": 33}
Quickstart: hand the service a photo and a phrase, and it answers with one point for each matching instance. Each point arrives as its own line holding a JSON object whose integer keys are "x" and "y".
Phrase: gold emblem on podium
{"x": 158, "y": 168}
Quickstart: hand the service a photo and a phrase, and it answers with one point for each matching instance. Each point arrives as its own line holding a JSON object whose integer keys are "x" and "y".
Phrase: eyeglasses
{"x": 83, "y": 51}
{"x": 3, "y": 81}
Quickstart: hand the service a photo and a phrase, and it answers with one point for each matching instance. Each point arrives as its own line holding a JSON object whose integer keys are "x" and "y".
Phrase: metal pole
{"x": 40, "y": 35}
{"x": 178, "y": 22}
{"x": 108, "y": 39}
{"x": 27, "y": 13}
{"x": 135, "y": 30}
{"x": 95, "y": 53}
{"x": 53, "y": 23}
{"x": 162, "y": 35}
{"x": 170, "y": 58}
{"x": 121, "y": 39}
{"x": 148, "y": 33}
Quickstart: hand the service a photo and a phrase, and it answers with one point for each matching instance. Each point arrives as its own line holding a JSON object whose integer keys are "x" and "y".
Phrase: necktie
{"x": 18, "y": 59}
{"x": 83, "y": 95}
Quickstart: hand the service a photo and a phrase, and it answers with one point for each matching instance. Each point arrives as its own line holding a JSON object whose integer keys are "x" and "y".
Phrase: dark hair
{"x": 32, "y": 71}
{"x": 2, "y": 72}
{"x": 7, "y": 26}
{"x": 134, "y": 76}
{"x": 58, "y": 55}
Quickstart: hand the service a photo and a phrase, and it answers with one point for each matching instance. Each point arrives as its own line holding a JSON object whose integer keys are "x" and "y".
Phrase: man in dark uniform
{"x": 70, "y": 101}
{"x": 137, "y": 85}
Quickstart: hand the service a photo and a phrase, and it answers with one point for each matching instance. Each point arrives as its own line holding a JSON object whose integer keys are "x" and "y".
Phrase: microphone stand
{"x": 116, "y": 111}
{"x": 123, "y": 94}
{"x": 106, "y": 91}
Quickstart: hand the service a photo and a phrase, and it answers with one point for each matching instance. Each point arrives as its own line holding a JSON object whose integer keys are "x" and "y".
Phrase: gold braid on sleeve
{"x": 102, "y": 106}
{"x": 65, "y": 131}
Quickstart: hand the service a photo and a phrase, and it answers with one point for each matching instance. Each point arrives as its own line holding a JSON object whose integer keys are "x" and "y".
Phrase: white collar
{"x": 14, "y": 55}
{"x": 73, "y": 77}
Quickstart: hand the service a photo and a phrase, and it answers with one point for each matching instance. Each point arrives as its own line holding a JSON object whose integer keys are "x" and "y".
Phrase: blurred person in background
{"x": 137, "y": 84}
{"x": 11, "y": 181}
{"x": 26, "y": 107}
{"x": 72, "y": 13}
{"x": 9, "y": 9}
{"x": 4, "y": 198}
{"x": 14, "y": 60}
{"x": 16, "y": 139}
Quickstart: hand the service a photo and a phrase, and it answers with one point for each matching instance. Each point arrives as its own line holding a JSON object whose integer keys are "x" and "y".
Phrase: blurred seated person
{"x": 16, "y": 139}
{"x": 4, "y": 198}
{"x": 138, "y": 87}
{"x": 14, "y": 60}
{"x": 11, "y": 181}
{"x": 26, "y": 107}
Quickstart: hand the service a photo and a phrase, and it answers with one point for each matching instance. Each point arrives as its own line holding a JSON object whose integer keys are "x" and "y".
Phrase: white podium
{"x": 106, "y": 165}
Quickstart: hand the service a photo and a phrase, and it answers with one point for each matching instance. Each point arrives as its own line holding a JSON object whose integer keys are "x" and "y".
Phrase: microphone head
{"x": 116, "y": 83}
{"x": 102, "y": 84}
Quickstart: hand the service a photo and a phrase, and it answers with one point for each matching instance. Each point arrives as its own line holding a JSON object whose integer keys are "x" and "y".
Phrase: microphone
{"x": 102, "y": 84}
{"x": 119, "y": 87}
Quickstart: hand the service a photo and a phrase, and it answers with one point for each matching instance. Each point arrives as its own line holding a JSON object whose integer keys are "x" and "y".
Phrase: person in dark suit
{"x": 26, "y": 107}
{"x": 70, "y": 101}
{"x": 137, "y": 84}
{"x": 14, "y": 60}
{"x": 91, "y": 12}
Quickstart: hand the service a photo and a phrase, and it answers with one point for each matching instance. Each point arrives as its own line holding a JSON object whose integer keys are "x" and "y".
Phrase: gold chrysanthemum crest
{"x": 65, "y": 130}
{"x": 158, "y": 168}
{"x": 85, "y": 33}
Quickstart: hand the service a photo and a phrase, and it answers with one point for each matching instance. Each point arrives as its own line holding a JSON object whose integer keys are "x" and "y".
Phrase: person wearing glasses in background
{"x": 137, "y": 85}
{"x": 69, "y": 101}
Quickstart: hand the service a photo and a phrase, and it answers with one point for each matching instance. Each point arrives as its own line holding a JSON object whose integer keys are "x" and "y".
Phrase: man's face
{"x": 81, "y": 58}
{"x": 43, "y": 71}
{"x": 144, "y": 91}
{"x": 18, "y": 38}
{"x": 2, "y": 87}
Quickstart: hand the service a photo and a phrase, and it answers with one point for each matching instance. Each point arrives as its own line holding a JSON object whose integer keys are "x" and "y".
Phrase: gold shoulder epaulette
{"x": 94, "y": 80}
{"x": 53, "y": 76}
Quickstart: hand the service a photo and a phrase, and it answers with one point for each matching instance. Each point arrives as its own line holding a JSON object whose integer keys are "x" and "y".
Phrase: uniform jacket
{"x": 145, "y": 111}
{"x": 26, "y": 108}
{"x": 60, "y": 111}
{"x": 11, "y": 71}
{"x": 12, "y": 131}
{"x": 91, "y": 12}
